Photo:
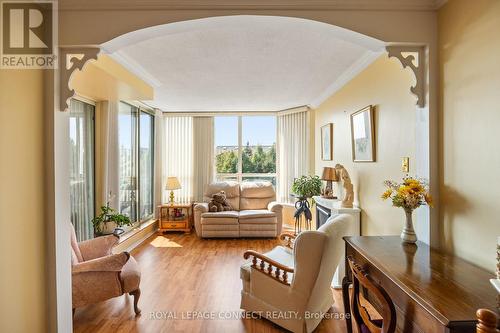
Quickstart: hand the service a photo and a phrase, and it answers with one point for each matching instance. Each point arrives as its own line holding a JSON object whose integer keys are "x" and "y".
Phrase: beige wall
{"x": 22, "y": 209}
{"x": 105, "y": 79}
{"x": 386, "y": 86}
{"x": 470, "y": 117}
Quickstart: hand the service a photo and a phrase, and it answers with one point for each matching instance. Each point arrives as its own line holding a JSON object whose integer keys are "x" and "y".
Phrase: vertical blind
{"x": 293, "y": 157}
{"x": 81, "y": 132}
{"x": 178, "y": 156}
{"x": 203, "y": 155}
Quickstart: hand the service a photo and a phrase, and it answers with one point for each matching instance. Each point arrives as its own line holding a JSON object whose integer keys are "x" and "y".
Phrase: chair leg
{"x": 345, "y": 298}
{"x": 137, "y": 295}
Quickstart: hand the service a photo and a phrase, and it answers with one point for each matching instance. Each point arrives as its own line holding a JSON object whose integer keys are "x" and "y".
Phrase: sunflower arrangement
{"x": 409, "y": 195}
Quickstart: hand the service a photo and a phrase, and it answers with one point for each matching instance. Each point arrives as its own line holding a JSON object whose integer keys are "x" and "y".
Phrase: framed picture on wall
{"x": 363, "y": 135}
{"x": 327, "y": 142}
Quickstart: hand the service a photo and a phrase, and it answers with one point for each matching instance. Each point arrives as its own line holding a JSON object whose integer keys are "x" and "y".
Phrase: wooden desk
{"x": 432, "y": 292}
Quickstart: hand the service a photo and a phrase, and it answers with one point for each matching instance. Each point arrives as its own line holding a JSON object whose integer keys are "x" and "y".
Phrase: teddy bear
{"x": 219, "y": 203}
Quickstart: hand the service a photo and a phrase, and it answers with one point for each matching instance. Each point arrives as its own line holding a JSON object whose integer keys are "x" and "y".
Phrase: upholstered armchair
{"x": 98, "y": 274}
{"x": 290, "y": 285}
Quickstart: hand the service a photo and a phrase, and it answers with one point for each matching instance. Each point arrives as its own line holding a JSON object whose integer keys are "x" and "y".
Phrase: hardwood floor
{"x": 182, "y": 275}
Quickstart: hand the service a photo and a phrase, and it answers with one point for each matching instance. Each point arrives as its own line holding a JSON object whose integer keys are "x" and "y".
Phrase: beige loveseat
{"x": 255, "y": 214}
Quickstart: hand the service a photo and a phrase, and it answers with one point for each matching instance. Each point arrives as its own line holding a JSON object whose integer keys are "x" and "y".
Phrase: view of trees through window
{"x": 246, "y": 148}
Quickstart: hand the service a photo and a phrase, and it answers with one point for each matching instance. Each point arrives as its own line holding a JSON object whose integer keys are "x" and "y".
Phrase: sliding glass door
{"x": 146, "y": 169}
{"x": 136, "y": 151}
{"x": 81, "y": 135}
{"x": 127, "y": 143}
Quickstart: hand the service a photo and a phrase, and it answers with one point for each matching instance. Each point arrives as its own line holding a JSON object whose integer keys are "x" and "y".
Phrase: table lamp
{"x": 172, "y": 184}
{"x": 330, "y": 175}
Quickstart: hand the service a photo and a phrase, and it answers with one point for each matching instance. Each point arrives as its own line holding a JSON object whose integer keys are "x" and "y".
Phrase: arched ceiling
{"x": 243, "y": 63}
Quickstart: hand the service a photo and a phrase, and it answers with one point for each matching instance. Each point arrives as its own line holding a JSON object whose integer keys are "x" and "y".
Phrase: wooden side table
{"x": 175, "y": 217}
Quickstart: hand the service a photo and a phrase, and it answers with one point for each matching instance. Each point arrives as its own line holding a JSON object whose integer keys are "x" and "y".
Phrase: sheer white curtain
{"x": 158, "y": 156}
{"x": 293, "y": 136}
{"x": 81, "y": 125}
{"x": 177, "y": 159}
{"x": 203, "y": 155}
{"x": 107, "y": 154}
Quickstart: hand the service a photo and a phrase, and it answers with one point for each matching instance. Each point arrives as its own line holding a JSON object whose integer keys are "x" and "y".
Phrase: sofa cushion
{"x": 258, "y": 216}
{"x": 256, "y": 195}
{"x": 279, "y": 254}
{"x": 227, "y": 214}
{"x": 256, "y": 213}
{"x": 228, "y": 219}
{"x": 232, "y": 190}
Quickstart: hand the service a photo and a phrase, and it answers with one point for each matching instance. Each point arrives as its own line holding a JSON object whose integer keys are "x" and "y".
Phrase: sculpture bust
{"x": 347, "y": 185}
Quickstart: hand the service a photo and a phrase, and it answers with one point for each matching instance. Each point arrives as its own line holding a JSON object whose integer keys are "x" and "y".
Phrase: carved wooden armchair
{"x": 290, "y": 285}
{"x": 98, "y": 274}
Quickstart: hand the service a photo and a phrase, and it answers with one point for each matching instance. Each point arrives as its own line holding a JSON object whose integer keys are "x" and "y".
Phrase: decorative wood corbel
{"x": 415, "y": 58}
{"x": 72, "y": 58}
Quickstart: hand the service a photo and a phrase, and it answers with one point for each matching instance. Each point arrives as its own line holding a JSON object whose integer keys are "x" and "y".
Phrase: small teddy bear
{"x": 219, "y": 203}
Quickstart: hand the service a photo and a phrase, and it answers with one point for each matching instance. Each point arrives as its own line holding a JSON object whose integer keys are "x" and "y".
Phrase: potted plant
{"x": 409, "y": 195}
{"x": 107, "y": 215}
{"x": 306, "y": 187}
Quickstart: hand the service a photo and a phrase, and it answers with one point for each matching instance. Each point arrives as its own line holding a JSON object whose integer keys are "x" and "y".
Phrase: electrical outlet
{"x": 405, "y": 164}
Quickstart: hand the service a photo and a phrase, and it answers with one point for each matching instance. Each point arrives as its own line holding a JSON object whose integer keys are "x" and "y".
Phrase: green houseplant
{"x": 107, "y": 215}
{"x": 306, "y": 186}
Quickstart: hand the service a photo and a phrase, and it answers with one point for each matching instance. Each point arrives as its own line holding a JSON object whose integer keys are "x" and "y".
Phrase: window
{"x": 81, "y": 152}
{"x": 136, "y": 154}
{"x": 146, "y": 169}
{"x": 245, "y": 148}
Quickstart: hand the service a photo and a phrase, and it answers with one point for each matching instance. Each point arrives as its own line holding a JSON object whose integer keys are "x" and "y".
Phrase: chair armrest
{"x": 288, "y": 240}
{"x": 201, "y": 207}
{"x": 98, "y": 247}
{"x": 275, "y": 206}
{"x": 278, "y": 267}
{"x": 112, "y": 263}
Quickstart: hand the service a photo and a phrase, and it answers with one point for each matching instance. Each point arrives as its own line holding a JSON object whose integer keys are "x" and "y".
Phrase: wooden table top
{"x": 449, "y": 288}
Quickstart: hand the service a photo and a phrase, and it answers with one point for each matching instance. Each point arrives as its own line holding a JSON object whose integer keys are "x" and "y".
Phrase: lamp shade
{"x": 173, "y": 183}
{"x": 329, "y": 174}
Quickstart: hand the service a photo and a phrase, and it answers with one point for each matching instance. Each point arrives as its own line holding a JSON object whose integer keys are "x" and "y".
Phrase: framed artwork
{"x": 363, "y": 135}
{"x": 327, "y": 142}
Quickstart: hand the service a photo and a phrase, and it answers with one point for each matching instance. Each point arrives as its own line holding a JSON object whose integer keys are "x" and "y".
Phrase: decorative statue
{"x": 347, "y": 184}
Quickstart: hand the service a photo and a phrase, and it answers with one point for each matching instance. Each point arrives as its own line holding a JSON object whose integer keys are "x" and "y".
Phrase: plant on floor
{"x": 107, "y": 215}
{"x": 306, "y": 186}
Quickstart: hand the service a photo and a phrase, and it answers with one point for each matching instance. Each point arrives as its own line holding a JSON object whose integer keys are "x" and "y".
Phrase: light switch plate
{"x": 405, "y": 164}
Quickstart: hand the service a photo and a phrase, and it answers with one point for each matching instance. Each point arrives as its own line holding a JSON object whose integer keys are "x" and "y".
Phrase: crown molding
{"x": 373, "y": 5}
{"x": 350, "y": 73}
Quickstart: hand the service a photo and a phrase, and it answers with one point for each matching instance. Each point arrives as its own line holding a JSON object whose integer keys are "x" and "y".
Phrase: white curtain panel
{"x": 82, "y": 168}
{"x": 177, "y": 157}
{"x": 203, "y": 155}
{"x": 293, "y": 138}
{"x": 107, "y": 154}
{"x": 158, "y": 156}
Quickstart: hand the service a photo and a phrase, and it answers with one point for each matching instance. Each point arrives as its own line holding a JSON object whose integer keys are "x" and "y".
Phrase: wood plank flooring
{"x": 182, "y": 274}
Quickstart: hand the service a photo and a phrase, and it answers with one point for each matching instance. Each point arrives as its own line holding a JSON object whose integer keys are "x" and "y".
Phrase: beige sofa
{"x": 255, "y": 214}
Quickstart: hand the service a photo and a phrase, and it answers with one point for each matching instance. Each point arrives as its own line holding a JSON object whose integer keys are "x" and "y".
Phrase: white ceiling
{"x": 243, "y": 63}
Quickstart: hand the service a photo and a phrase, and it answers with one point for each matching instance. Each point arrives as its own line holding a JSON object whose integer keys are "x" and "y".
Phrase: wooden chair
{"x": 364, "y": 322}
{"x": 487, "y": 321}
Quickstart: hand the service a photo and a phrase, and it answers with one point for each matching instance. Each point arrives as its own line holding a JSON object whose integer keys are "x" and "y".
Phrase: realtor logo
{"x": 28, "y": 32}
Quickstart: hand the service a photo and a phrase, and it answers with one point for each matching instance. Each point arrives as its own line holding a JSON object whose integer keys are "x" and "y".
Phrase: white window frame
{"x": 239, "y": 175}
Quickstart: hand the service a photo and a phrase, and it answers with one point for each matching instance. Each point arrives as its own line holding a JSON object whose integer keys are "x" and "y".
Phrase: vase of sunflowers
{"x": 409, "y": 195}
